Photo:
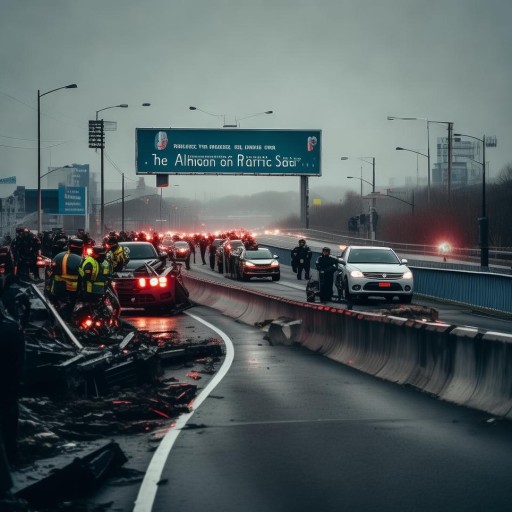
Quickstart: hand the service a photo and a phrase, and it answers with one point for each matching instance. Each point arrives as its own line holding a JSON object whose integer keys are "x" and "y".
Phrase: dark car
{"x": 247, "y": 263}
{"x": 180, "y": 251}
{"x": 146, "y": 281}
{"x": 222, "y": 254}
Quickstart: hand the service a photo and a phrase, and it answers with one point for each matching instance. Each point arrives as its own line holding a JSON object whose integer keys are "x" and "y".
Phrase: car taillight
{"x": 154, "y": 281}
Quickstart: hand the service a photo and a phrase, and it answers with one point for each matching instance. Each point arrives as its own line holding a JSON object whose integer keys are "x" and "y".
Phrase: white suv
{"x": 367, "y": 271}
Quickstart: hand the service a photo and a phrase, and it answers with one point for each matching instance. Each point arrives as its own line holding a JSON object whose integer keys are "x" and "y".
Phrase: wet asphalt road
{"x": 289, "y": 430}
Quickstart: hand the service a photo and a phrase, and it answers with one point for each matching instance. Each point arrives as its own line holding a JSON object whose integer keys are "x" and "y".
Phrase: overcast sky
{"x": 341, "y": 66}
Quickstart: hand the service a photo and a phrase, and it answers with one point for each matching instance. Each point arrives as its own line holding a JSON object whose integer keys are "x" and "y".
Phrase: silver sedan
{"x": 367, "y": 271}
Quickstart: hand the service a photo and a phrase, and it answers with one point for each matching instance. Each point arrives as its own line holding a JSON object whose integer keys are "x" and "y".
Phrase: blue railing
{"x": 449, "y": 282}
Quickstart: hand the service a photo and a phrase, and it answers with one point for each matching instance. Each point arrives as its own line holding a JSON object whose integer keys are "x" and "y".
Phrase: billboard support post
{"x": 304, "y": 201}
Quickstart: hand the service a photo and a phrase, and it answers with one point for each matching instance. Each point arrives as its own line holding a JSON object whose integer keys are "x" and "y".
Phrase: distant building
{"x": 466, "y": 169}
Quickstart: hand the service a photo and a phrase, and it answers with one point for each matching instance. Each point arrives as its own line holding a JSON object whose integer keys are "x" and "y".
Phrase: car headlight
{"x": 356, "y": 273}
{"x": 407, "y": 275}
{"x": 249, "y": 264}
{"x": 274, "y": 263}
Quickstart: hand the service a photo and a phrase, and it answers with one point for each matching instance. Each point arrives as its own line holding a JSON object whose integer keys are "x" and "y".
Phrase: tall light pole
{"x": 417, "y": 153}
{"x": 237, "y": 120}
{"x": 450, "y": 128}
{"x": 372, "y": 208}
{"x": 483, "y": 221}
{"x": 102, "y": 178}
{"x": 39, "y": 201}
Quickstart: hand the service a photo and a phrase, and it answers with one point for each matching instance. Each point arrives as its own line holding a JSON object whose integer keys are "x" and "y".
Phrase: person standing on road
{"x": 116, "y": 254}
{"x": 203, "y": 244}
{"x": 301, "y": 259}
{"x": 95, "y": 272}
{"x": 326, "y": 266}
{"x": 64, "y": 279}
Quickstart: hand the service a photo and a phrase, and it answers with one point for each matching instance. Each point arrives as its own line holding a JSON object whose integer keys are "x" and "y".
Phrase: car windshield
{"x": 260, "y": 254}
{"x": 142, "y": 251}
{"x": 372, "y": 256}
{"x": 181, "y": 245}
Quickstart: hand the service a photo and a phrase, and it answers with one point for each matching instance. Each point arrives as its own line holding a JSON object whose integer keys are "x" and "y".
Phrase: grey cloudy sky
{"x": 341, "y": 66}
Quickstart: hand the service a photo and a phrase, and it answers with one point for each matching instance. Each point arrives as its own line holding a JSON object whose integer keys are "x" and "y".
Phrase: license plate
{"x": 384, "y": 285}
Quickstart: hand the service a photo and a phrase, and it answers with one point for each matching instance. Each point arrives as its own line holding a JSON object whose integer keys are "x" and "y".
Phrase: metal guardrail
{"x": 457, "y": 283}
{"x": 500, "y": 257}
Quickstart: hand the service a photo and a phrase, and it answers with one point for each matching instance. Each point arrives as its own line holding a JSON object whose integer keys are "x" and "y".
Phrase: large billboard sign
{"x": 221, "y": 151}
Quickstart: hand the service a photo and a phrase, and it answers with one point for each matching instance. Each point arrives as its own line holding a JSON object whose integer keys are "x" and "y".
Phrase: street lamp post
{"x": 102, "y": 175}
{"x": 483, "y": 221}
{"x": 372, "y": 208}
{"x": 450, "y": 129}
{"x": 417, "y": 153}
{"x": 39, "y": 201}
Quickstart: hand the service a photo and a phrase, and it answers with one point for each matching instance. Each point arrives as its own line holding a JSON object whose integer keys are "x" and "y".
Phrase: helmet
{"x": 75, "y": 245}
{"x": 112, "y": 240}
{"x": 98, "y": 251}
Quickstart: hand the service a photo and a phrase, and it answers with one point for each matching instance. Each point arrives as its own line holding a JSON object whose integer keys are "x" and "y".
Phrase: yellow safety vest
{"x": 94, "y": 275}
{"x": 65, "y": 273}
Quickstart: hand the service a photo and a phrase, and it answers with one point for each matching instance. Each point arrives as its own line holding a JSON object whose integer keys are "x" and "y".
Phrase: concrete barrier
{"x": 456, "y": 364}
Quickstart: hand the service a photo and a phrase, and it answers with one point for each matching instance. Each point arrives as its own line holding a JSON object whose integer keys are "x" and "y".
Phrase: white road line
{"x": 148, "y": 489}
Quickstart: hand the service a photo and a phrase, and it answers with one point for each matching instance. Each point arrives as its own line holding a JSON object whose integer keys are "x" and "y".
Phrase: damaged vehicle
{"x": 147, "y": 282}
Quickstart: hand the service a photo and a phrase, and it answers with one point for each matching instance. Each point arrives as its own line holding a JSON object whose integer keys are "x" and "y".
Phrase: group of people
{"x": 77, "y": 275}
{"x": 325, "y": 264}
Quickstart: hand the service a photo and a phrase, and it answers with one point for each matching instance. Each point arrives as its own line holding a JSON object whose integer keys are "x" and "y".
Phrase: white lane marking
{"x": 148, "y": 489}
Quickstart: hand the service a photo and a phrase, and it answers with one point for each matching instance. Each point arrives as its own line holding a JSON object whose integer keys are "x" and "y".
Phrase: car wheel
{"x": 405, "y": 299}
{"x": 347, "y": 295}
{"x": 276, "y": 277}
{"x": 244, "y": 277}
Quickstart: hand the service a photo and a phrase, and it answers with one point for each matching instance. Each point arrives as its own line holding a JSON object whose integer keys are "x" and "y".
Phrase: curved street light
{"x": 450, "y": 128}
{"x": 418, "y": 153}
{"x": 39, "y": 202}
{"x": 364, "y": 159}
{"x": 102, "y": 179}
{"x": 237, "y": 120}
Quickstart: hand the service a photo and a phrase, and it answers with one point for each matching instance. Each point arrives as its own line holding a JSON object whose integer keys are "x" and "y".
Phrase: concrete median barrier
{"x": 456, "y": 364}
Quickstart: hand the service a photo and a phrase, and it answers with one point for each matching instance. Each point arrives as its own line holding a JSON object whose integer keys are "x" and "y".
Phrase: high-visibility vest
{"x": 65, "y": 269}
{"x": 94, "y": 275}
{"x": 117, "y": 258}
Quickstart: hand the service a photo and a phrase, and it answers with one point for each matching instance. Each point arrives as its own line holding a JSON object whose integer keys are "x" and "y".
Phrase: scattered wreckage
{"x": 82, "y": 385}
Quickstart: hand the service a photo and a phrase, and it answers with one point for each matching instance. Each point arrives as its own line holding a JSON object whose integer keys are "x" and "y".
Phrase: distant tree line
{"x": 453, "y": 218}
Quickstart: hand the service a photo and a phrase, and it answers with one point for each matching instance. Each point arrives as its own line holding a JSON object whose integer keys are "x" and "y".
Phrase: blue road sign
{"x": 221, "y": 151}
{"x": 72, "y": 200}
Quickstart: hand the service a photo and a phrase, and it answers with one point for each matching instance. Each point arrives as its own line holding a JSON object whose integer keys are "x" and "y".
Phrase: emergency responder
{"x": 59, "y": 242}
{"x": 203, "y": 244}
{"x": 27, "y": 249}
{"x": 95, "y": 272}
{"x": 64, "y": 278}
{"x": 116, "y": 254}
{"x": 14, "y": 310}
{"x": 155, "y": 240}
{"x": 326, "y": 266}
{"x": 301, "y": 259}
